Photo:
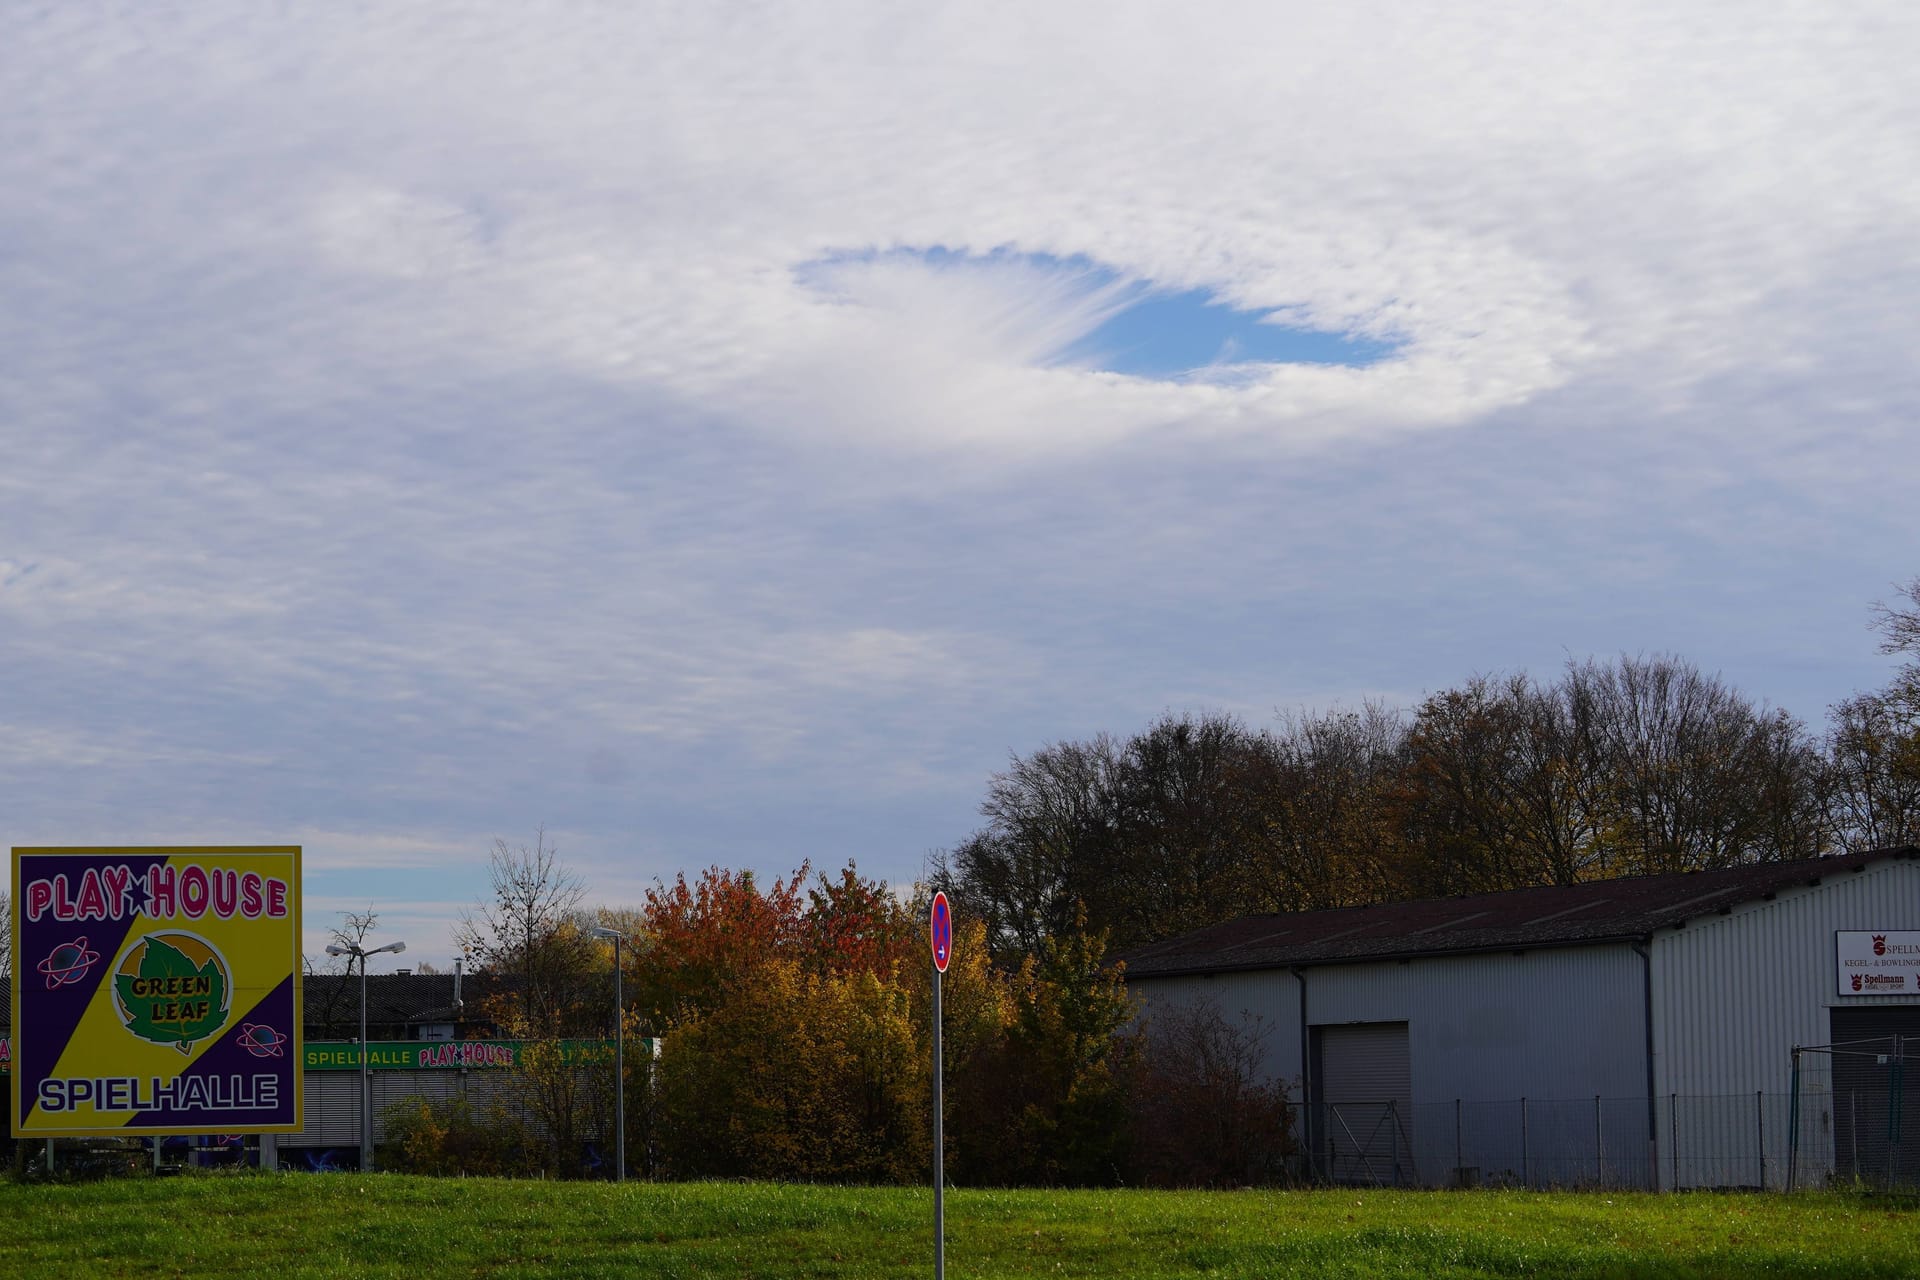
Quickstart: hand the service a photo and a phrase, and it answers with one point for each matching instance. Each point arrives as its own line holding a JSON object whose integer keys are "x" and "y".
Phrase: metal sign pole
{"x": 366, "y": 1092}
{"x": 939, "y": 1145}
{"x": 940, "y": 935}
{"x": 619, "y": 1072}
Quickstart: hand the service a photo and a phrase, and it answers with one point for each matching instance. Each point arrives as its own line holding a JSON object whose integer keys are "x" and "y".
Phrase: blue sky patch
{"x": 1124, "y": 325}
{"x": 1169, "y": 335}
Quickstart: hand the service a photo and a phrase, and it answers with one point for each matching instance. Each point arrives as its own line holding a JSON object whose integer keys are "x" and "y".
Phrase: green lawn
{"x": 343, "y": 1227}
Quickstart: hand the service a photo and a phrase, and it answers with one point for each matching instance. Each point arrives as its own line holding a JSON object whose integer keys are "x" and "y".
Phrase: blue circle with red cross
{"x": 942, "y": 932}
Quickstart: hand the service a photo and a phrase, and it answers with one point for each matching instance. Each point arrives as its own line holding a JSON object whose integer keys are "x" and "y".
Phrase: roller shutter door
{"x": 332, "y": 1111}
{"x": 1366, "y": 1096}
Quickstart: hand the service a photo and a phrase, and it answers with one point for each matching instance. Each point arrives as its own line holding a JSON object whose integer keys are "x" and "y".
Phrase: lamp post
{"x": 619, "y": 1058}
{"x": 366, "y": 1114}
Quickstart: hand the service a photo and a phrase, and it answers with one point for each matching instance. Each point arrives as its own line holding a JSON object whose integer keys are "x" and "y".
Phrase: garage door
{"x": 1365, "y": 1079}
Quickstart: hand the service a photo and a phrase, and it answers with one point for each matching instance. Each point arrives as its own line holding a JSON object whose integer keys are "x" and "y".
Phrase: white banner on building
{"x": 1878, "y": 963}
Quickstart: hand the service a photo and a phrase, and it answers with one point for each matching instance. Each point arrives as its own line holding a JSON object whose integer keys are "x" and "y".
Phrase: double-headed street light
{"x": 619, "y": 1056}
{"x": 366, "y": 1113}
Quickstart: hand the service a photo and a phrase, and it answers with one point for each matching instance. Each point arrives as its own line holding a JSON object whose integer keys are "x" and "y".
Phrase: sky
{"x": 725, "y": 434}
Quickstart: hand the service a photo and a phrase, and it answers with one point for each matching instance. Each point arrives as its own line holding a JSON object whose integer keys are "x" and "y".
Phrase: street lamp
{"x": 619, "y": 1063}
{"x": 366, "y": 1114}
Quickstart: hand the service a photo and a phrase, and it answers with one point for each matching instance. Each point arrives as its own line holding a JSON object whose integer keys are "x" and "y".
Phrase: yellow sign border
{"x": 16, "y": 1117}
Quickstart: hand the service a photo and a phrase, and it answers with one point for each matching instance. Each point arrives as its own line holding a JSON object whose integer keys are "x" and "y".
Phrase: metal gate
{"x": 1873, "y": 1050}
{"x": 1363, "y": 1128}
{"x": 1850, "y": 1121}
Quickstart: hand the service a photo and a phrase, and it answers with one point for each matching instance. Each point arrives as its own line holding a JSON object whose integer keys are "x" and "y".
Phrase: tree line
{"x": 1633, "y": 766}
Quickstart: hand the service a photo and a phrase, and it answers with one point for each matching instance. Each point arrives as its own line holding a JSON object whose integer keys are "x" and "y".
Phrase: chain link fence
{"x": 1827, "y": 1132}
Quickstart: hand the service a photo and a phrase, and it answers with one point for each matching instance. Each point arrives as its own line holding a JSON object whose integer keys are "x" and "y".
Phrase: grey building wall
{"x": 1268, "y": 1000}
{"x": 1557, "y": 1027}
{"x": 1733, "y": 995}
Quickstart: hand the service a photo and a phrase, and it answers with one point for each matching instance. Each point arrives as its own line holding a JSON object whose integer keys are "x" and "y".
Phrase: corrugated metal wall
{"x": 1557, "y": 1027}
{"x": 1561, "y": 1023}
{"x": 1732, "y": 996}
{"x": 1271, "y": 996}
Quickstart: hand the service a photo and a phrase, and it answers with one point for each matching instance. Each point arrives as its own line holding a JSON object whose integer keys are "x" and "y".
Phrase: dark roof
{"x": 399, "y": 998}
{"x": 1554, "y": 916}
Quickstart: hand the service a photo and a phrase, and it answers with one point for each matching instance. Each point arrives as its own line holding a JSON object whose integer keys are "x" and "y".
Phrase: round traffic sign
{"x": 941, "y": 931}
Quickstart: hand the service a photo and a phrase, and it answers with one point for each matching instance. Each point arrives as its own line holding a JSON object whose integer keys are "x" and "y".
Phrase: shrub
{"x": 1206, "y": 1115}
{"x": 444, "y": 1137}
{"x": 800, "y": 1076}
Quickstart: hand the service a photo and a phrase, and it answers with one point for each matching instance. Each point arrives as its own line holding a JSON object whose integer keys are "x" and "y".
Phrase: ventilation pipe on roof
{"x": 456, "y": 989}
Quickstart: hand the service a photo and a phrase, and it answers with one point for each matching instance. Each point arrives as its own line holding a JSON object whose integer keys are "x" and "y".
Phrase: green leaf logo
{"x": 172, "y": 988}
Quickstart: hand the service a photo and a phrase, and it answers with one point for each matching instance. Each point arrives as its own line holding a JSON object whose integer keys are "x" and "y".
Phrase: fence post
{"x": 1673, "y": 1137}
{"x": 1760, "y": 1132}
{"x": 1599, "y": 1145}
{"x": 1853, "y": 1129}
{"x": 1459, "y": 1160}
{"x": 1896, "y": 1093}
{"x": 1526, "y": 1167}
{"x": 1793, "y": 1123}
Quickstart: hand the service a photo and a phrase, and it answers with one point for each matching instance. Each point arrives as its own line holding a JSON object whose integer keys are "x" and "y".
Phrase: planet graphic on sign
{"x": 67, "y": 963}
{"x": 261, "y": 1040}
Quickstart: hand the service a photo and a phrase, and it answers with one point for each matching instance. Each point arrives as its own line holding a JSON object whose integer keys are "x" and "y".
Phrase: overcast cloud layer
{"x": 422, "y": 424}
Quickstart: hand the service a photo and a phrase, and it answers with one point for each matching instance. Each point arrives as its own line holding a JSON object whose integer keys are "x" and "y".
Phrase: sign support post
{"x": 941, "y": 935}
{"x": 939, "y": 1145}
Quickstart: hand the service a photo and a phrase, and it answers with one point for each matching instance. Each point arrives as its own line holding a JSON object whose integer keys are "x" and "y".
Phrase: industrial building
{"x": 1630, "y": 1032}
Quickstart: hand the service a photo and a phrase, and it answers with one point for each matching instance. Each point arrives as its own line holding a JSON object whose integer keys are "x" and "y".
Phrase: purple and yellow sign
{"x": 156, "y": 991}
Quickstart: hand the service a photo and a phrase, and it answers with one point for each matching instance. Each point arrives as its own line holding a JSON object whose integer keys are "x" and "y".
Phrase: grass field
{"x": 343, "y": 1227}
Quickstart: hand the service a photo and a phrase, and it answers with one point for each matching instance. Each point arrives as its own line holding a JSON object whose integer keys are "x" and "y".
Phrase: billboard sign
{"x": 156, "y": 991}
{"x": 1878, "y": 962}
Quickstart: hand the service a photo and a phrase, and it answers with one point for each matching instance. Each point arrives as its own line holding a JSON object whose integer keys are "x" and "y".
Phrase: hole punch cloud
{"x": 1047, "y": 311}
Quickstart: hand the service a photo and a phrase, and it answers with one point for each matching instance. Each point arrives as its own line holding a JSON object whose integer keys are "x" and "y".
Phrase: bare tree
{"x": 349, "y": 935}
{"x": 1873, "y": 743}
{"x": 1050, "y": 824}
{"x": 331, "y": 1004}
{"x": 1327, "y": 833}
{"x": 1899, "y": 628}
{"x": 1873, "y": 771}
{"x": 1696, "y": 775}
{"x": 6, "y": 936}
{"x": 1184, "y": 810}
{"x": 1498, "y": 794}
{"x": 533, "y": 929}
